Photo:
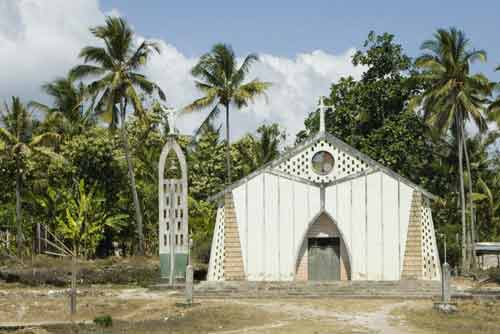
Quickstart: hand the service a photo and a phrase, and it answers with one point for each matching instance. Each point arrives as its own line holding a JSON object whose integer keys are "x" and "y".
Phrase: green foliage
{"x": 84, "y": 219}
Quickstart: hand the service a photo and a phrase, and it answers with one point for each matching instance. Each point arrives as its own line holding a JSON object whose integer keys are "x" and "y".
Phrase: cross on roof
{"x": 322, "y": 108}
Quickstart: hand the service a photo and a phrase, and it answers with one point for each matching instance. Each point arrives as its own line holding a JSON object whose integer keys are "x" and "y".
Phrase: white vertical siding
{"x": 374, "y": 213}
{"x": 371, "y": 212}
{"x": 271, "y": 237}
{"x": 343, "y": 218}
{"x": 359, "y": 241}
{"x": 286, "y": 229}
{"x": 330, "y": 201}
{"x": 301, "y": 210}
{"x": 255, "y": 270}
{"x": 390, "y": 228}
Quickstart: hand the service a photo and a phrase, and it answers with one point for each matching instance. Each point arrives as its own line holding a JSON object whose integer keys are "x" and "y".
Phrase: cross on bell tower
{"x": 322, "y": 108}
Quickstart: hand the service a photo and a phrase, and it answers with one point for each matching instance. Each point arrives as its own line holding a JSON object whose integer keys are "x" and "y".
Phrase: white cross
{"x": 322, "y": 109}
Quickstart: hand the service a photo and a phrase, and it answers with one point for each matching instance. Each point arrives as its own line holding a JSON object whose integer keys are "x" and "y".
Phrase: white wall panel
{"x": 390, "y": 228}
{"x": 301, "y": 212}
{"x": 405, "y": 197}
{"x": 331, "y": 201}
{"x": 286, "y": 229}
{"x": 255, "y": 229}
{"x": 359, "y": 241}
{"x": 271, "y": 228}
{"x": 314, "y": 201}
{"x": 343, "y": 219}
{"x": 374, "y": 211}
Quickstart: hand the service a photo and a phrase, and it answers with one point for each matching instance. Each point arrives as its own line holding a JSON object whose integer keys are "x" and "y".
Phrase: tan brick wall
{"x": 413, "y": 262}
{"x": 233, "y": 260}
{"x": 324, "y": 228}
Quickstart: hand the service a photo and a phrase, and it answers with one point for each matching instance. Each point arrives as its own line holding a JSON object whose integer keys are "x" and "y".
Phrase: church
{"x": 324, "y": 211}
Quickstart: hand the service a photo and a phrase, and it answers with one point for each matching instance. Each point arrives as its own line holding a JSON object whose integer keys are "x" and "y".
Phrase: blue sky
{"x": 285, "y": 28}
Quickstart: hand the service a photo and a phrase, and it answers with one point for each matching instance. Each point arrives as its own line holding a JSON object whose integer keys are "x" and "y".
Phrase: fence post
{"x": 189, "y": 284}
{"x": 445, "y": 283}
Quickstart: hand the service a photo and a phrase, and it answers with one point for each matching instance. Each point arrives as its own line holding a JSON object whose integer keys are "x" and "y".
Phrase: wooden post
{"x": 38, "y": 238}
{"x": 445, "y": 283}
{"x": 72, "y": 298}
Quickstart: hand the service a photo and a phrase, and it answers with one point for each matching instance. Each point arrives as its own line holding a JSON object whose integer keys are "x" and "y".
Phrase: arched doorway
{"x": 323, "y": 255}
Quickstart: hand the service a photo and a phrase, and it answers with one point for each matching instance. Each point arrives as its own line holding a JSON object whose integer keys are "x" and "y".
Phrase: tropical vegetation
{"x": 86, "y": 165}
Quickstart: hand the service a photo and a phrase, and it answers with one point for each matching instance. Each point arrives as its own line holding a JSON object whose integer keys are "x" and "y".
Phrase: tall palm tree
{"x": 454, "y": 96}
{"x": 115, "y": 67}
{"x": 221, "y": 81}
{"x": 19, "y": 143}
{"x": 68, "y": 114}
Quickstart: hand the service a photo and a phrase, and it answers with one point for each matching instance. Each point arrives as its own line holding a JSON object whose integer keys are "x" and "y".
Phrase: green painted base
{"x": 181, "y": 261}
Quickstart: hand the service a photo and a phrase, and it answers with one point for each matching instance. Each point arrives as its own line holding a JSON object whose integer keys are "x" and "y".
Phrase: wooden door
{"x": 324, "y": 259}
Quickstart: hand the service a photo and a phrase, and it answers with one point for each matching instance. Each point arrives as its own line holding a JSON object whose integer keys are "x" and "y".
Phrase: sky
{"x": 304, "y": 46}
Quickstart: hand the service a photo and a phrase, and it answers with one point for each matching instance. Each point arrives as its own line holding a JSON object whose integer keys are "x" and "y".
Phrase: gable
{"x": 300, "y": 164}
{"x": 296, "y": 164}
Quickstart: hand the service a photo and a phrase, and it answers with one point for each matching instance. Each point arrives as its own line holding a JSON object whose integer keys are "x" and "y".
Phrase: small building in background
{"x": 488, "y": 254}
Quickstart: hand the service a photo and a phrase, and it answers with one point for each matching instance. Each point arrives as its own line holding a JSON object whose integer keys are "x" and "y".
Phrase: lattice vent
{"x": 300, "y": 164}
{"x": 429, "y": 247}
{"x": 216, "y": 266}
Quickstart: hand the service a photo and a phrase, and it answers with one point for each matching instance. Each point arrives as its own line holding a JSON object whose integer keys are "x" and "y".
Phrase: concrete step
{"x": 391, "y": 289}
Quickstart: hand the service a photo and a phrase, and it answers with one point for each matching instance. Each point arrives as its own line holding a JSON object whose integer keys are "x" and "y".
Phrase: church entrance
{"x": 324, "y": 259}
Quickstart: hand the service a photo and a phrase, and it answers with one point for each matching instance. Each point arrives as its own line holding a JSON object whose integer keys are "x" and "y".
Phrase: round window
{"x": 322, "y": 162}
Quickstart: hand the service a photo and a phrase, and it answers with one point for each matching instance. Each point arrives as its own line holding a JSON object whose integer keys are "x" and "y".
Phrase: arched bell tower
{"x": 173, "y": 209}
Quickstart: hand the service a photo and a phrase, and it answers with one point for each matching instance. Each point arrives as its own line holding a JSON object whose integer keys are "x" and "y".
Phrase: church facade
{"x": 324, "y": 211}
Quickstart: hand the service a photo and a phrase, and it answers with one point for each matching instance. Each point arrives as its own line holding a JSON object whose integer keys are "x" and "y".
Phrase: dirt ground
{"x": 143, "y": 311}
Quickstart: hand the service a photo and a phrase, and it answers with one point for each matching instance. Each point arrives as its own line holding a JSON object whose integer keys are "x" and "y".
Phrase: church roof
{"x": 370, "y": 166}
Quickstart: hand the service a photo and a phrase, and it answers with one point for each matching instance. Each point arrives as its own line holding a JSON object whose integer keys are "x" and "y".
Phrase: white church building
{"x": 324, "y": 211}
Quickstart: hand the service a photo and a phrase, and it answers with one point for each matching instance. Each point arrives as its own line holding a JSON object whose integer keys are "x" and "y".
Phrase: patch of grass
{"x": 472, "y": 317}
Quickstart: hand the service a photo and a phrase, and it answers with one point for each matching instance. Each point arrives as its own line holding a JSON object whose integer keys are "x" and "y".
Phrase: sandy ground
{"x": 143, "y": 311}
{"x": 39, "y": 307}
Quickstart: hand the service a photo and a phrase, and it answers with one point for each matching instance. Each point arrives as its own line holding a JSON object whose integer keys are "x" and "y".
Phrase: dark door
{"x": 324, "y": 259}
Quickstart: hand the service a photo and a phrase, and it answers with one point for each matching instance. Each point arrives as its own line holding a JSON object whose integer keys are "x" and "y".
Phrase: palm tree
{"x": 67, "y": 114}
{"x": 115, "y": 66}
{"x": 454, "y": 96}
{"x": 221, "y": 81}
{"x": 494, "y": 107}
{"x": 18, "y": 143}
{"x": 255, "y": 151}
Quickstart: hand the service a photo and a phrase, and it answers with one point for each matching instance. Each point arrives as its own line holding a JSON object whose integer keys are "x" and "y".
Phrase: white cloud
{"x": 40, "y": 40}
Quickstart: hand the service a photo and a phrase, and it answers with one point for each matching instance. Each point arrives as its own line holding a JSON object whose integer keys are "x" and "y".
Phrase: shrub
{"x": 103, "y": 321}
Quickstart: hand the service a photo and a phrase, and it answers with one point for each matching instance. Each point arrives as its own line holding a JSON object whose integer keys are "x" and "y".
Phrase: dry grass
{"x": 473, "y": 317}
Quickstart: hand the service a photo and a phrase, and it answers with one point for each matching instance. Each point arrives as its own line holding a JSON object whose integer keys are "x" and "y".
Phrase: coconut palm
{"x": 221, "y": 81}
{"x": 18, "y": 143}
{"x": 494, "y": 108}
{"x": 68, "y": 114}
{"x": 255, "y": 151}
{"x": 115, "y": 67}
{"x": 454, "y": 96}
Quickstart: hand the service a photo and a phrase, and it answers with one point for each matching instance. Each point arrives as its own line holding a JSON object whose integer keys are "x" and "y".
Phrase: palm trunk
{"x": 228, "y": 147}
{"x": 462, "y": 198}
{"x": 135, "y": 197}
{"x": 19, "y": 223}
{"x": 472, "y": 218}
